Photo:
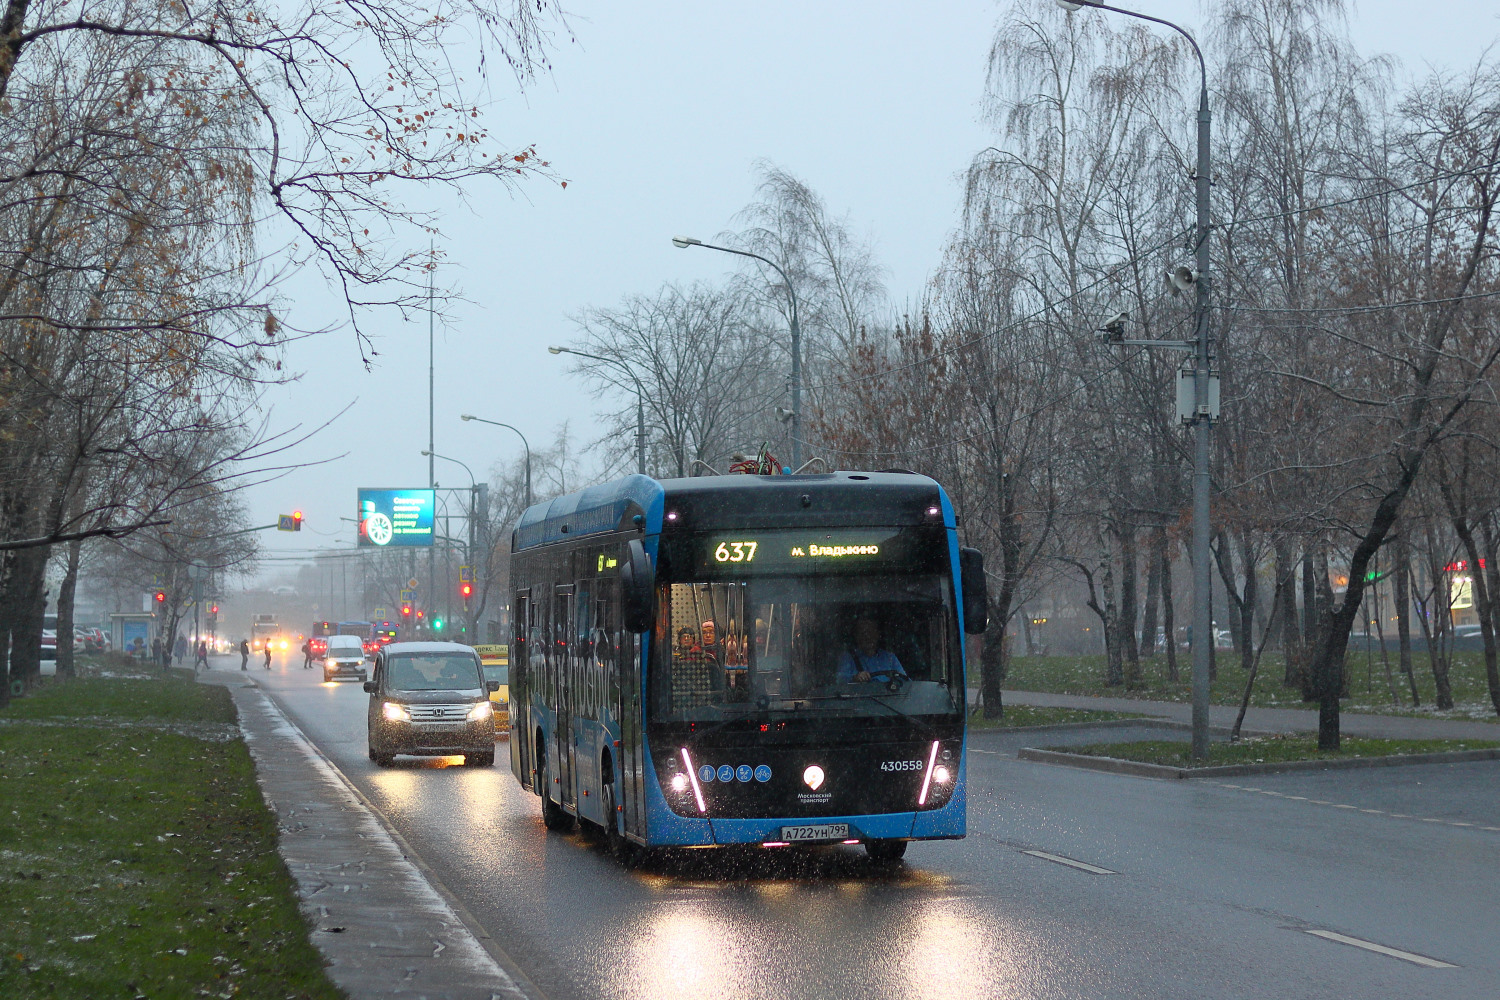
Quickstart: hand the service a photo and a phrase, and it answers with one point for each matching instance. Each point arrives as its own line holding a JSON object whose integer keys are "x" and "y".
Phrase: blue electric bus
{"x": 745, "y": 659}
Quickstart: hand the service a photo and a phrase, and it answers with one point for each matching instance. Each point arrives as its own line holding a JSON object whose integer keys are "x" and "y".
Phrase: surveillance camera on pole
{"x": 1113, "y": 330}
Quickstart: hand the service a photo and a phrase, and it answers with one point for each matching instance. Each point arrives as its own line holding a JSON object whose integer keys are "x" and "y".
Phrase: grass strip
{"x": 141, "y": 861}
{"x": 1269, "y": 749}
{"x": 1369, "y": 691}
{"x": 1022, "y": 716}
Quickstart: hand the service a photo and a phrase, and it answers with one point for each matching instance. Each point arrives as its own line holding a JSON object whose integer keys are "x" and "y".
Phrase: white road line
{"x": 1081, "y": 866}
{"x": 1405, "y": 956}
{"x": 1371, "y": 812}
{"x": 997, "y": 753}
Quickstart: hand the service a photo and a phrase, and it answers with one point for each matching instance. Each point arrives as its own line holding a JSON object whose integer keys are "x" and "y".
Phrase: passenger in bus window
{"x": 708, "y": 642}
{"x": 867, "y": 659}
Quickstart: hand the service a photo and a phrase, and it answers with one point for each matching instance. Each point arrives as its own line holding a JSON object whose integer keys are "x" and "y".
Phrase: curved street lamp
{"x": 1201, "y": 418}
{"x": 682, "y": 243}
{"x": 455, "y": 461}
{"x": 524, "y": 443}
{"x": 640, "y": 401}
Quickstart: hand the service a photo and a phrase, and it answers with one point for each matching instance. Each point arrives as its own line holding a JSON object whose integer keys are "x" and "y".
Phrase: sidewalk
{"x": 1279, "y": 720}
{"x": 385, "y": 929}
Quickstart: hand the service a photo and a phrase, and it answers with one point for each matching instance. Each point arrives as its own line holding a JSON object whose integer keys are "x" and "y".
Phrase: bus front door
{"x": 562, "y": 650}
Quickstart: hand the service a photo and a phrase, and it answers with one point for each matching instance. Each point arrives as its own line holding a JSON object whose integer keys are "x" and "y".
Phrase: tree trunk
{"x": 1114, "y": 673}
{"x": 1285, "y": 599}
{"x": 1436, "y": 622}
{"x": 1126, "y": 631}
{"x": 1401, "y": 583}
{"x": 993, "y": 666}
{"x": 1168, "y": 618}
{"x": 1223, "y": 552}
{"x": 1153, "y": 593}
{"x": 1250, "y": 597}
{"x": 21, "y": 612}
{"x": 65, "y": 603}
{"x": 1490, "y": 570}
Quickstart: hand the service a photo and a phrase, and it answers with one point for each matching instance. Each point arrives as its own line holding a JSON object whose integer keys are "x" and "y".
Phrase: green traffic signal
{"x": 437, "y": 624}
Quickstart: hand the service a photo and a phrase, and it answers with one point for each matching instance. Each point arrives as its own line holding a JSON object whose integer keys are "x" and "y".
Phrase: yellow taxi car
{"x": 496, "y": 662}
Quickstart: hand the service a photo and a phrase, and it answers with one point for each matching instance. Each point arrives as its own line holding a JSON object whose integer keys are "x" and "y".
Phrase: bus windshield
{"x": 774, "y": 647}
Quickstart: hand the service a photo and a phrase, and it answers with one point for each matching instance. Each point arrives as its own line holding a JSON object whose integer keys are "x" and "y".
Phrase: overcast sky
{"x": 656, "y": 114}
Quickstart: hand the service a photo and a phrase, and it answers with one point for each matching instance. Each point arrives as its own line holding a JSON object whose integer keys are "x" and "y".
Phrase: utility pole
{"x": 1202, "y": 416}
{"x": 431, "y": 409}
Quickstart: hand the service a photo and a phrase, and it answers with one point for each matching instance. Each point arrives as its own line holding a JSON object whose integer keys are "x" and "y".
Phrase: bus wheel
{"x": 889, "y": 851}
{"x": 554, "y": 816}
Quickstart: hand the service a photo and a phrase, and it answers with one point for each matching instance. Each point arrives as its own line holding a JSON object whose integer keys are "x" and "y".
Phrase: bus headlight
{"x": 940, "y": 775}
{"x": 680, "y": 783}
{"x": 480, "y": 712}
{"x": 395, "y": 712}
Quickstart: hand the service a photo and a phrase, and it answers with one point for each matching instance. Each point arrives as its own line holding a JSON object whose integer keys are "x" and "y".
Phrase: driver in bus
{"x": 867, "y": 659}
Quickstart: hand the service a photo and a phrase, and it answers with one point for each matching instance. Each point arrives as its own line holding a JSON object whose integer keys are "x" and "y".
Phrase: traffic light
{"x": 406, "y": 611}
{"x": 213, "y": 610}
{"x": 437, "y": 624}
{"x": 296, "y": 520}
{"x": 161, "y": 597}
{"x": 465, "y": 590}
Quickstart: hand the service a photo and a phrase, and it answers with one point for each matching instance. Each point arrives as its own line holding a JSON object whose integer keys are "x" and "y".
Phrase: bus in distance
{"x": 745, "y": 659}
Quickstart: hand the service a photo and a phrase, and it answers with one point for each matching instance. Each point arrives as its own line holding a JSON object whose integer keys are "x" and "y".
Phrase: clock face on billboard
{"x": 392, "y": 517}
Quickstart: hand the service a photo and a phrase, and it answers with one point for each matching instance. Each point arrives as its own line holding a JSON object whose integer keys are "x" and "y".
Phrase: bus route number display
{"x": 733, "y": 552}
{"x": 797, "y": 550}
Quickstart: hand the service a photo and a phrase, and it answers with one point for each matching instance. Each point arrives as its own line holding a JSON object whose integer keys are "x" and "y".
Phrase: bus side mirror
{"x": 976, "y": 590}
{"x": 637, "y": 589}
{"x": 369, "y": 687}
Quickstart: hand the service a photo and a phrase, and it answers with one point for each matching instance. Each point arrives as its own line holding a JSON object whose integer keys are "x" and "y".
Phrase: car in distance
{"x": 430, "y": 699}
{"x": 344, "y": 656}
{"x": 495, "y": 660}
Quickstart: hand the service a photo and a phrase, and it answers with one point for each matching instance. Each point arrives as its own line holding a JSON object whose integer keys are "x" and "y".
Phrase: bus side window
{"x": 582, "y": 651}
{"x": 540, "y": 650}
{"x": 519, "y": 645}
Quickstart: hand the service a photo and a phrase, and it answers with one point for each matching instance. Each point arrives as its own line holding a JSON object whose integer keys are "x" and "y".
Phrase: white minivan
{"x": 345, "y": 657}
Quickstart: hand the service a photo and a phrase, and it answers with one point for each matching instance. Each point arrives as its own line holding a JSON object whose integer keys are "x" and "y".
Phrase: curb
{"x": 1113, "y": 765}
{"x": 1145, "y": 721}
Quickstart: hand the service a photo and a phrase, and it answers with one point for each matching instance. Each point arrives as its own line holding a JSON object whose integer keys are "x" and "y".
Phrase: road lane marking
{"x": 1060, "y": 860}
{"x": 1372, "y": 812}
{"x": 1405, "y": 956}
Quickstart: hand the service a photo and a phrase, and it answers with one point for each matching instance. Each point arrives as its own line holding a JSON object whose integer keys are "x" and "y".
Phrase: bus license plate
{"x": 821, "y": 831}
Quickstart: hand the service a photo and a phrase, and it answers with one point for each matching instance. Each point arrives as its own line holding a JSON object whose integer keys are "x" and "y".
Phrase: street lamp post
{"x": 640, "y": 401}
{"x": 469, "y": 548}
{"x": 1201, "y": 417}
{"x": 524, "y": 443}
{"x": 682, "y": 243}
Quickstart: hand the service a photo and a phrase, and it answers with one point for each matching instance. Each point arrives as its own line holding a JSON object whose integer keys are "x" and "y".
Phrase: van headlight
{"x": 480, "y": 712}
{"x": 395, "y": 712}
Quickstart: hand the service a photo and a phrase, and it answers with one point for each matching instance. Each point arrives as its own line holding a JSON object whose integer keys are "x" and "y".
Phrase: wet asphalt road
{"x": 1211, "y": 889}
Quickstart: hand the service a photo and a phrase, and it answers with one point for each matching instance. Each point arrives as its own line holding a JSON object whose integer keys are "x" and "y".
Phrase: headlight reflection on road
{"x": 683, "y": 954}
{"x": 956, "y": 951}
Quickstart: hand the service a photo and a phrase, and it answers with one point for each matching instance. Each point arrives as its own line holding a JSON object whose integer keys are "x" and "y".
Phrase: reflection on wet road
{"x": 1205, "y": 895}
